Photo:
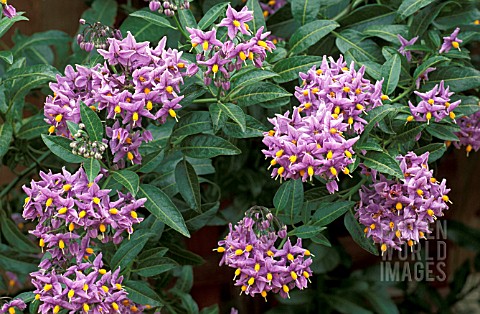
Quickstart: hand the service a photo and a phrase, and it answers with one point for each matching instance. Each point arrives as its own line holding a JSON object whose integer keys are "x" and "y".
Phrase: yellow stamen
{"x": 134, "y": 214}
{"x": 431, "y": 101}
{"x": 51, "y": 129}
{"x": 348, "y": 154}
{"x": 455, "y": 45}
{"x": 115, "y": 306}
{"x": 82, "y": 214}
{"x": 130, "y": 156}
{"x": 236, "y": 23}
{"x": 71, "y": 293}
{"x": 61, "y": 244}
{"x": 398, "y": 206}
{"x": 248, "y": 248}
{"x": 251, "y": 281}
{"x": 205, "y": 45}
{"x": 215, "y": 68}
{"x": 47, "y": 287}
{"x": 56, "y": 309}
{"x": 105, "y": 288}
{"x": 102, "y": 271}
{"x": 49, "y": 202}
{"x": 86, "y": 308}
{"x": 58, "y": 118}
{"x": 293, "y": 275}
{"x": 169, "y": 89}
{"x": 238, "y": 252}
{"x": 292, "y": 158}
{"x": 62, "y": 210}
{"x": 333, "y": 171}
{"x": 290, "y": 257}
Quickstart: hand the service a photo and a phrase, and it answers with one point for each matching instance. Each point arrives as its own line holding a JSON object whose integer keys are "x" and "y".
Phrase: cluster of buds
{"x": 259, "y": 266}
{"x": 81, "y": 145}
{"x": 73, "y": 215}
{"x": 222, "y": 59}
{"x": 434, "y": 104}
{"x": 95, "y": 35}
{"x": 8, "y": 10}
{"x": 469, "y": 134}
{"x": 395, "y": 213}
{"x": 168, "y": 7}
{"x": 84, "y": 287}
{"x": 135, "y": 84}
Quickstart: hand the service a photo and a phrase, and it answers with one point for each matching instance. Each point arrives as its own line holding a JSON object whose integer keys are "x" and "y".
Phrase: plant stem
{"x": 204, "y": 100}
{"x": 402, "y": 94}
{"x": 354, "y": 189}
{"x": 23, "y": 174}
{"x": 180, "y": 28}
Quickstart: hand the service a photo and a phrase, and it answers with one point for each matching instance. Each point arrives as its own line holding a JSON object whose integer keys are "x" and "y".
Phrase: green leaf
{"x": 15, "y": 237}
{"x": 235, "y": 113}
{"x": 6, "y": 56}
{"x": 275, "y": 103}
{"x": 442, "y": 131}
{"x": 34, "y": 127}
{"x": 351, "y": 39}
{"x": 305, "y": 11}
{"x": 184, "y": 257}
{"x": 92, "y": 168}
{"x": 257, "y": 93}
{"x": 376, "y": 115}
{"x": 391, "y": 73}
{"x": 258, "y": 18}
{"x": 365, "y": 16}
{"x": 129, "y": 249}
{"x": 207, "y": 146}
{"x": 328, "y": 212}
{"x": 142, "y": 29}
{"x": 409, "y": 132}
{"x": 188, "y": 186}
{"x": 247, "y": 78}
{"x": 185, "y": 279}
{"x": 386, "y": 32}
{"x": 430, "y": 62}
{"x": 356, "y": 231}
{"x": 468, "y": 106}
{"x": 128, "y": 179}
{"x": 212, "y": 15}
{"x": 152, "y": 18}
{"x": 151, "y": 162}
{"x": 310, "y": 34}
{"x": 436, "y": 151}
{"x": 154, "y": 266}
{"x": 162, "y": 207}
{"x": 93, "y": 124}
{"x": 408, "y": 7}
{"x": 321, "y": 239}
{"x": 140, "y": 292}
{"x": 60, "y": 146}
{"x": 288, "y": 69}
{"x": 306, "y": 232}
{"x": 289, "y": 198}
{"x": 383, "y": 163}
{"x": 17, "y": 266}
{"x": 187, "y": 19}
{"x": 254, "y": 128}
{"x": 343, "y": 305}
{"x": 213, "y": 309}
{"x": 193, "y": 123}
{"x": 424, "y": 18}
{"x": 459, "y": 79}
{"x": 6, "y": 133}
{"x": 381, "y": 302}
{"x": 52, "y": 37}
{"x": 369, "y": 144}
{"x": 6, "y": 23}
{"x": 218, "y": 117}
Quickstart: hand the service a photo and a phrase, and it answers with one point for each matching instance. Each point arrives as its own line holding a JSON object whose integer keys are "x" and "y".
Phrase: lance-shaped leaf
{"x": 306, "y": 232}
{"x": 235, "y": 113}
{"x": 254, "y": 128}
{"x": 328, "y": 212}
{"x": 289, "y": 198}
{"x": 305, "y": 11}
{"x": 257, "y": 93}
{"x": 207, "y": 146}
{"x": 408, "y": 7}
{"x": 383, "y": 163}
{"x": 139, "y": 291}
{"x": 92, "y": 122}
{"x": 187, "y": 183}
{"x": 310, "y": 34}
{"x": 6, "y": 133}
{"x": 217, "y": 116}
{"x": 92, "y": 168}
{"x": 212, "y": 15}
{"x": 129, "y": 249}
{"x": 162, "y": 207}
{"x": 288, "y": 69}
{"x": 356, "y": 231}
{"x": 258, "y": 18}
{"x": 60, "y": 146}
{"x": 391, "y": 73}
{"x": 128, "y": 179}
{"x": 152, "y": 18}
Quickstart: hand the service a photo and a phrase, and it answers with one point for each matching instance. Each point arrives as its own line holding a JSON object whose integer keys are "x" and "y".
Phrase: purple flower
{"x": 260, "y": 268}
{"x": 208, "y": 40}
{"x": 9, "y": 11}
{"x": 451, "y": 41}
{"x": 423, "y": 76}
{"x": 434, "y": 104}
{"x": 469, "y": 134}
{"x": 236, "y": 21}
{"x": 404, "y": 44}
{"x": 399, "y": 212}
{"x": 12, "y": 306}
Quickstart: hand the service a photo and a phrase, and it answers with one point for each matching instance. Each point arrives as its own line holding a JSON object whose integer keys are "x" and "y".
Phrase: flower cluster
{"x": 451, "y": 41}
{"x": 469, "y": 134}
{"x": 272, "y": 6}
{"x": 259, "y": 266}
{"x": 168, "y": 7}
{"x": 83, "y": 287}
{"x": 12, "y": 306}
{"x": 8, "y": 10}
{"x": 221, "y": 59}
{"x": 399, "y": 212}
{"x": 135, "y": 83}
{"x": 95, "y": 36}
{"x": 72, "y": 215}
{"x": 434, "y": 104}
{"x": 333, "y": 100}
{"x": 350, "y": 94}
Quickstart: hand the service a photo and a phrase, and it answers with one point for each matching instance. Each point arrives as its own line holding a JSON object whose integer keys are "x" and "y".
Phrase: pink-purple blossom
{"x": 261, "y": 267}
{"x": 9, "y": 10}
{"x": 404, "y": 43}
{"x": 398, "y": 212}
{"x": 12, "y": 307}
{"x": 451, "y": 41}
{"x": 469, "y": 134}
